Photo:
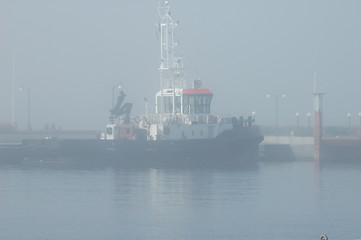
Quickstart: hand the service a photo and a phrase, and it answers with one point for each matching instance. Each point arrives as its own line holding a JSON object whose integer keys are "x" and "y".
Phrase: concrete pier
{"x": 16, "y": 137}
{"x": 286, "y": 148}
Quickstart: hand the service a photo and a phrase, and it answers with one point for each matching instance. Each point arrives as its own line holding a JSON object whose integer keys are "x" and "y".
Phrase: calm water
{"x": 274, "y": 200}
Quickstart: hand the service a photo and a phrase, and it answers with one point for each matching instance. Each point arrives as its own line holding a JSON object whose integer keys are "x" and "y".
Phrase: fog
{"x": 71, "y": 54}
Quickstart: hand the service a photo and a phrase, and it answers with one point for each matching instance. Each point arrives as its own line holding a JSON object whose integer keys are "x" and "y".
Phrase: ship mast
{"x": 171, "y": 67}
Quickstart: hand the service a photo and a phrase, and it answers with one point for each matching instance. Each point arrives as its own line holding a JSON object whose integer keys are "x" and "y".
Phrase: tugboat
{"x": 182, "y": 126}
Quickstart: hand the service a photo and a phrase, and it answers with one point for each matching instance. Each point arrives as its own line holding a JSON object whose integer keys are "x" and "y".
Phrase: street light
{"x": 276, "y": 110}
{"x": 28, "y": 90}
{"x": 349, "y": 119}
{"x": 309, "y": 119}
{"x": 297, "y": 120}
{"x": 146, "y": 107}
{"x": 119, "y": 86}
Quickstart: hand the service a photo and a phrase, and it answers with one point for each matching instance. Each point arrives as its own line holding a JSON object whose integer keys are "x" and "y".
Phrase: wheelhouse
{"x": 186, "y": 101}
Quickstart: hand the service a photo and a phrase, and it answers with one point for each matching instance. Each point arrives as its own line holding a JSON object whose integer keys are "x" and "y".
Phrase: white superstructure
{"x": 181, "y": 112}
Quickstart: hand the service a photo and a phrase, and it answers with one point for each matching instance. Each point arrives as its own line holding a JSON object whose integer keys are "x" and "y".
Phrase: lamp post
{"x": 349, "y": 120}
{"x": 146, "y": 107}
{"x": 28, "y": 90}
{"x": 276, "y": 109}
{"x": 309, "y": 119}
{"x": 297, "y": 121}
{"x": 309, "y": 123}
{"x": 119, "y": 86}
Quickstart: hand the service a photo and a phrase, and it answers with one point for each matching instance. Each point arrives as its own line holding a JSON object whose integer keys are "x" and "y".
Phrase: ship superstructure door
{"x": 197, "y": 101}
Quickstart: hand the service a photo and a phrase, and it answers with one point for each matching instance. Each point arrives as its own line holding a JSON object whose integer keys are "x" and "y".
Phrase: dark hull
{"x": 125, "y": 151}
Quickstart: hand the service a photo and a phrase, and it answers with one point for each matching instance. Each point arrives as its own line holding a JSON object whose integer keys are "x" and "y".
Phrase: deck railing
{"x": 190, "y": 119}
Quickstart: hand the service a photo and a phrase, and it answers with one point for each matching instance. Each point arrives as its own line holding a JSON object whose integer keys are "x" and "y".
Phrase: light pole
{"x": 309, "y": 123}
{"x": 119, "y": 86}
{"x": 349, "y": 120}
{"x": 254, "y": 117}
{"x": 309, "y": 119}
{"x": 146, "y": 107}
{"x": 276, "y": 110}
{"x": 28, "y": 90}
{"x": 297, "y": 121}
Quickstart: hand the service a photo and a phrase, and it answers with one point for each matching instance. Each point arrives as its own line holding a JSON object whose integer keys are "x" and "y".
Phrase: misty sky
{"x": 71, "y": 53}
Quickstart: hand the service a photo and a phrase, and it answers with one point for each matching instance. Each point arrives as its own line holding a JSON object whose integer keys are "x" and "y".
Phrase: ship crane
{"x": 121, "y": 109}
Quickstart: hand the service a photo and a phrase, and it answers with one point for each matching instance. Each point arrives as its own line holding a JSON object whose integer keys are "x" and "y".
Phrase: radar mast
{"x": 169, "y": 99}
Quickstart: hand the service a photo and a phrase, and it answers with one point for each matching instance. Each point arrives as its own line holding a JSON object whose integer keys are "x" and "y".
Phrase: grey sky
{"x": 71, "y": 53}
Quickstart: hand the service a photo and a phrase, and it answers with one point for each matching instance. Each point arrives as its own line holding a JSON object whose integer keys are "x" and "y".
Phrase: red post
{"x": 317, "y": 126}
{"x": 317, "y": 135}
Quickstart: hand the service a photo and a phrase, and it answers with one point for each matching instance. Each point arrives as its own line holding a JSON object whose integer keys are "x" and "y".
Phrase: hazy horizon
{"x": 70, "y": 54}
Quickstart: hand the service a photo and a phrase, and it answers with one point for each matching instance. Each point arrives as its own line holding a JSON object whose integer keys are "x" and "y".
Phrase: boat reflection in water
{"x": 84, "y": 163}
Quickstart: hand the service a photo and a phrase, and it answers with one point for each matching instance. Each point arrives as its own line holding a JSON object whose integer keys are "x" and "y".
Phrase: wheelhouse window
{"x": 188, "y": 101}
{"x": 197, "y": 101}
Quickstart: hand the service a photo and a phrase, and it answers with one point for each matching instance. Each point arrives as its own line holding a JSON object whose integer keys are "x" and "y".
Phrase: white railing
{"x": 170, "y": 119}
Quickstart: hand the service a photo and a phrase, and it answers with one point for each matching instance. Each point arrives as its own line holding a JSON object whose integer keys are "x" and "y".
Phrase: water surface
{"x": 266, "y": 200}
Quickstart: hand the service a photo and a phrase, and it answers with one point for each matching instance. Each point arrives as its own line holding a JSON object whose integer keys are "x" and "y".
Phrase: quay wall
{"x": 286, "y": 147}
{"x": 16, "y": 137}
